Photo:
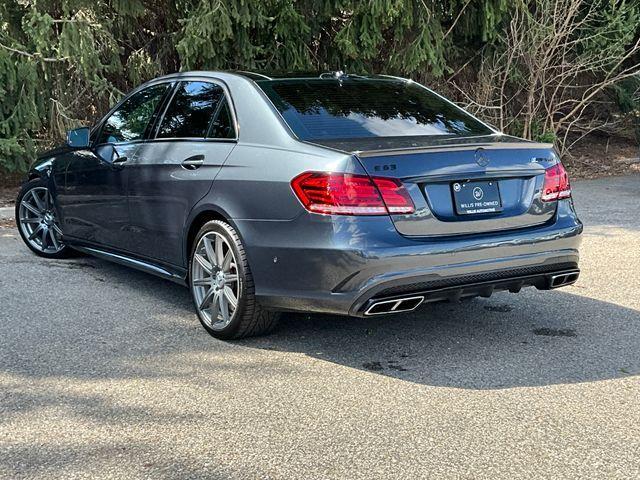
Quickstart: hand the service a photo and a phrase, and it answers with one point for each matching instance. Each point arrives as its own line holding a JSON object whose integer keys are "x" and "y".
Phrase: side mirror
{"x": 78, "y": 138}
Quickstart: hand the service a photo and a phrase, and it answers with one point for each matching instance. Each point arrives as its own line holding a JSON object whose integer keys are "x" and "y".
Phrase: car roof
{"x": 280, "y": 75}
{"x": 314, "y": 75}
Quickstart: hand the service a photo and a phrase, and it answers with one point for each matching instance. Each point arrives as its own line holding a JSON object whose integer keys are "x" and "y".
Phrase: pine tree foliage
{"x": 63, "y": 62}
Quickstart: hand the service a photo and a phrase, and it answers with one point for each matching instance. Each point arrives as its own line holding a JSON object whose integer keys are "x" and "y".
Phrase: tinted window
{"x": 190, "y": 111}
{"x": 360, "y": 108}
{"x": 222, "y": 125}
{"x": 130, "y": 120}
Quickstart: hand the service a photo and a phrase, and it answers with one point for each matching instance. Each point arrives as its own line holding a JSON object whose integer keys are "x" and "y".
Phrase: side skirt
{"x": 133, "y": 263}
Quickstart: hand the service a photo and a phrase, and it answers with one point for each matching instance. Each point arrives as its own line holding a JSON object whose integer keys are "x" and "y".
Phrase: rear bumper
{"x": 337, "y": 265}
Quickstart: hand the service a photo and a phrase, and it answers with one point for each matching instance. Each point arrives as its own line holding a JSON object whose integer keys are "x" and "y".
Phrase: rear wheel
{"x": 222, "y": 285}
{"x": 37, "y": 220}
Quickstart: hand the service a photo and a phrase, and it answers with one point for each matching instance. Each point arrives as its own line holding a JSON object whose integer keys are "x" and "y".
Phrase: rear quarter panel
{"x": 255, "y": 181}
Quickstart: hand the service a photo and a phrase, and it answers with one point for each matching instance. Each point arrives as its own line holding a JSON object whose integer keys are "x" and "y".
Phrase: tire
{"x": 212, "y": 285}
{"x": 36, "y": 220}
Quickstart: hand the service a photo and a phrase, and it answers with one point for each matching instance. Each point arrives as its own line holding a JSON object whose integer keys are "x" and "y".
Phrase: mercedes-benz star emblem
{"x": 481, "y": 157}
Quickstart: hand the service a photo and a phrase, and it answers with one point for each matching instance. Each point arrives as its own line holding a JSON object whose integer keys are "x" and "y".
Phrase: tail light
{"x": 556, "y": 184}
{"x": 350, "y": 194}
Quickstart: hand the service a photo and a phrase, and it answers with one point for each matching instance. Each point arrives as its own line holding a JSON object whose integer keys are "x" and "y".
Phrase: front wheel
{"x": 37, "y": 220}
{"x": 222, "y": 285}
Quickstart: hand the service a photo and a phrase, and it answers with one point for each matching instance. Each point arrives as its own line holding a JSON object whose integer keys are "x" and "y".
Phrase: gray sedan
{"x": 335, "y": 193}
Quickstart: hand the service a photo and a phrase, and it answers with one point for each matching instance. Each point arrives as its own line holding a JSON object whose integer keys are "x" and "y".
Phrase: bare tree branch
{"x": 36, "y": 56}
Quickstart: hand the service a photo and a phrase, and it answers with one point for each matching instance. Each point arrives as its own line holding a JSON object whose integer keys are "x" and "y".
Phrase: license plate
{"x": 473, "y": 198}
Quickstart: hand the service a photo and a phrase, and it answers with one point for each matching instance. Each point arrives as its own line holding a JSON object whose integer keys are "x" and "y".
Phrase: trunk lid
{"x": 468, "y": 188}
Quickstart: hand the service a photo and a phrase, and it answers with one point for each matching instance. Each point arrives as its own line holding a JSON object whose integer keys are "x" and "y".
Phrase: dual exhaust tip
{"x": 394, "y": 306}
{"x": 563, "y": 279}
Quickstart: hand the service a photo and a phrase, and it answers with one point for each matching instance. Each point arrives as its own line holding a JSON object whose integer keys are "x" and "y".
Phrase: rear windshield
{"x": 318, "y": 109}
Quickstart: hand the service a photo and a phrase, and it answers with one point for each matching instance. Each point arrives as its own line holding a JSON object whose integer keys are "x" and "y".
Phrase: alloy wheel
{"x": 215, "y": 280}
{"x": 37, "y": 220}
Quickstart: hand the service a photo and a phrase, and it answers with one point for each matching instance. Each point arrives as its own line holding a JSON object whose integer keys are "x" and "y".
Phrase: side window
{"x": 190, "y": 111}
{"x": 130, "y": 120}
{"x": 222, "y": 125}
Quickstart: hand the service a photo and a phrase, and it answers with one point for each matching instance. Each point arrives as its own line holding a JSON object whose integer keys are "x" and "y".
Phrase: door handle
{"x": 194, "y": 162}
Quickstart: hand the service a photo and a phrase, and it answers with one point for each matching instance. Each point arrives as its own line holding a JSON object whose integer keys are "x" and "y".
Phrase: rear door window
{"x": 222, "y": 124}
{"x": 191, "y": 110}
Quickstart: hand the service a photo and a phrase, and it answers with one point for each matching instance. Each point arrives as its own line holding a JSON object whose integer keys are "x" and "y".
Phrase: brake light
{"x": 556, "y": 184}
{"x": 350, "y": 194}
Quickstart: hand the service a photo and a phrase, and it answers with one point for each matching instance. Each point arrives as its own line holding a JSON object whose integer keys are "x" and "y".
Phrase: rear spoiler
{"x": 384, "y": 146}
{"x": 454, "y": 148}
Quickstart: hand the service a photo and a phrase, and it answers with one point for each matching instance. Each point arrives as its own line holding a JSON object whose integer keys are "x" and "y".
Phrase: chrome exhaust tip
{"x": 394, "y": 306}
{"x": 563, "y": 279}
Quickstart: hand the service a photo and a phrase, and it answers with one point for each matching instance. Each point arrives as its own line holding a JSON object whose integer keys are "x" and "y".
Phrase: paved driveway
{"x": 105, "y": 373}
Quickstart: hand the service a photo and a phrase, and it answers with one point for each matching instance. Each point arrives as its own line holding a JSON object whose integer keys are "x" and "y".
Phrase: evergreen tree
{"x": 64, "y": 62}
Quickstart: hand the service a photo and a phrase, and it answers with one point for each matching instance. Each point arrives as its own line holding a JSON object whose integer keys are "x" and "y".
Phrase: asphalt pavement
{"x": 106, "y": 373}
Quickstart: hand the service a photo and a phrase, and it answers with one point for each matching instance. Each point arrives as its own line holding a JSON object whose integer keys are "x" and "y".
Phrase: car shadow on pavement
{"x": 525, "y": 340}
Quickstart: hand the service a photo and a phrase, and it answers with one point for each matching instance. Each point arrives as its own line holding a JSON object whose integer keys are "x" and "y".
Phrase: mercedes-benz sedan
{"x": 350, "y": 195}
